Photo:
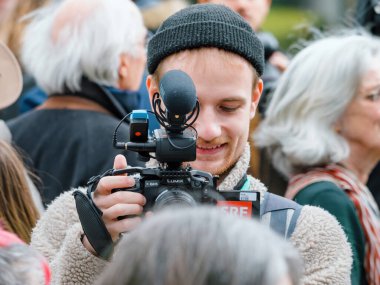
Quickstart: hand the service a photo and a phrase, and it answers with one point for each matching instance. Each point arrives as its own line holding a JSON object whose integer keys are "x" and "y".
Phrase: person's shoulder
{"x": 312, "y": 216}
{"x": 105, "y": 122}
{"x": 323, "y": 246}
{"x": 58, "y": 217}
{"x": 256, "y": 184}
{"x": 61, "y": 208}
{"x": 61, "y": 213}
{"x": 321, "y": 186}
{"x": 64, "y": 200}
{"x": 324, "y": 194}
{"x": 20, "y": 120}
{"x": 274, "y": 202}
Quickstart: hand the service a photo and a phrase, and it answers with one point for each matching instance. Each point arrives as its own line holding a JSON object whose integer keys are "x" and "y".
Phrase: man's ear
{"x": 256, "y": 94}
{"x": 203, "y": 1}
{"x": 123, "y": 72}
{"x": 152, "y": 86}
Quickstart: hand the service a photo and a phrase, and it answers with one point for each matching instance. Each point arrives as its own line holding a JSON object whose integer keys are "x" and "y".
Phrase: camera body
{"x": 168, "y": 187}
{"x": 186, "y": 187}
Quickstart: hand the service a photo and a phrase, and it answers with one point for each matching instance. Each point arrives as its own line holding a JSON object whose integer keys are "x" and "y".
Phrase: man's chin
{"x": 220, "y": 169}
{"x": 224, "y": 170}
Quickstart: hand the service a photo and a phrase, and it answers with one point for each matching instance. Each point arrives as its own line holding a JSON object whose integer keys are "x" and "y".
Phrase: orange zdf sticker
{"x": 236, "y": 208}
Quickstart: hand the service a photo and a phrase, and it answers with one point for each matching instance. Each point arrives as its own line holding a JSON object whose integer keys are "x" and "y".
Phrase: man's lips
{"x": 209, "y": 149}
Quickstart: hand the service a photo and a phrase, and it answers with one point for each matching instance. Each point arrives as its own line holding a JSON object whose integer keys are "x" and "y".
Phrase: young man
{"x": 223, "y": 56}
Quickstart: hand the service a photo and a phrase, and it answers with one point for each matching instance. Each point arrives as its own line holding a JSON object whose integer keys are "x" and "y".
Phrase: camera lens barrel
{"x": 174, "y": 198}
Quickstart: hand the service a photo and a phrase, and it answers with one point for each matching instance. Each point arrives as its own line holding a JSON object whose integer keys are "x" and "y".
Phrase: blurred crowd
{"x": 302, "y": 131}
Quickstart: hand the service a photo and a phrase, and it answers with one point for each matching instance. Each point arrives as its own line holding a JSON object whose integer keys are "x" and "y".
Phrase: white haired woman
{"x": 323, "y": 132}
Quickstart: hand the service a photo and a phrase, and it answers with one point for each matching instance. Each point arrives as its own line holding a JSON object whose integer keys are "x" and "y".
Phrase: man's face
{"x": 224, "y": 84}
{"x": 253, "y": 11}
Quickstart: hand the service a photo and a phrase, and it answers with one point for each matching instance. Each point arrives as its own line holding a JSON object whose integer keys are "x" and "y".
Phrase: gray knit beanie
{"x": 205, "y": 25}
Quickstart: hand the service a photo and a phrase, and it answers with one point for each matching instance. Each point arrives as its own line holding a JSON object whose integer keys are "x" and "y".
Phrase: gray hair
{"x": 202, "y": 246}
{"x": 313, "y": 93}
{"x": 20, "y": 265}
{"x": 71, "y": 39}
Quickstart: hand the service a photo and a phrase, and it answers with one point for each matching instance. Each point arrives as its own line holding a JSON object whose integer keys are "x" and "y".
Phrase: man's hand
{"x": 120, "y": 203}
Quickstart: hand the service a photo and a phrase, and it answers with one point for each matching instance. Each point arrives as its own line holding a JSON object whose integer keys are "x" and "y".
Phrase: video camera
{"x": 174, "y": 182}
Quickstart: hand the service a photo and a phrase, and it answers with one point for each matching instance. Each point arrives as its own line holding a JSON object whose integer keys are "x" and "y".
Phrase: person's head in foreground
{"x": 199, "y": 246}
{"x": 225, "y": 60}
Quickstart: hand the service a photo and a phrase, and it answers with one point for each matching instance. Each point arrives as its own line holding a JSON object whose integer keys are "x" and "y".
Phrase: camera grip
{"x": 93, "y": 225}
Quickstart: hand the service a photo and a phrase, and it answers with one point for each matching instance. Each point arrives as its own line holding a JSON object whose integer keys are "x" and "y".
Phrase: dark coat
{"x": 67, "y": 146}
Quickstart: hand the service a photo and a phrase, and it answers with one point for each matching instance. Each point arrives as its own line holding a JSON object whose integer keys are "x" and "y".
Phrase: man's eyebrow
{"x": 234, "y": 99}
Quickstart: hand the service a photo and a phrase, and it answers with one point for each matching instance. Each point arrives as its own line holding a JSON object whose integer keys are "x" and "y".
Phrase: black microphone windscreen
{"x": 178, "y": 93}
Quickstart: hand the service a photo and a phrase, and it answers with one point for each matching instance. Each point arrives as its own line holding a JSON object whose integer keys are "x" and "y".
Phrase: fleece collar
{"x": 237, "y": 173}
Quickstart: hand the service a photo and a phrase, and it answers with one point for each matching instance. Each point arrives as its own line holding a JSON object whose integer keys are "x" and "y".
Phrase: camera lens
{"x": 174, "y": 198}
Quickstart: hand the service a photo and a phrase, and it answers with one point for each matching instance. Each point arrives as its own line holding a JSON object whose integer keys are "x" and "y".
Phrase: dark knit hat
{"x": 205, "y": 25}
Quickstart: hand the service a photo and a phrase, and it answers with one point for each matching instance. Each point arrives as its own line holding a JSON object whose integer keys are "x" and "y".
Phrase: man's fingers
{"x": 122, "y": 226}
{"x": 120, "y": 162}
{"x": 119, "y": 210}
{"x": 119, "y": 197}
{"x": 107, "y": 183}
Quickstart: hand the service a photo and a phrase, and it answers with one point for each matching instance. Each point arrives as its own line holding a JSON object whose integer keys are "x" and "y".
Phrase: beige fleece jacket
{"x": 318, "y": 237}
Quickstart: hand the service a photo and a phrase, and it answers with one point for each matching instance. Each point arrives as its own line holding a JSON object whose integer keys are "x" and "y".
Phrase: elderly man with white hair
{"x": 75, "y": 49}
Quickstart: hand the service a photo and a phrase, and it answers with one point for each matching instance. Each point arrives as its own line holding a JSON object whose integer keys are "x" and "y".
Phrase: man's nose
{"x": 208, "y": 126}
